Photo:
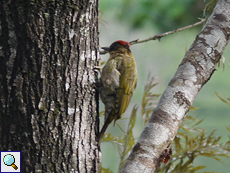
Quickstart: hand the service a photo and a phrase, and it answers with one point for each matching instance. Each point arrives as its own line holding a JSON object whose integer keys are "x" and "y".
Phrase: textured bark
{"x": 48, "y": 101}
{"x": 194, "y": 71}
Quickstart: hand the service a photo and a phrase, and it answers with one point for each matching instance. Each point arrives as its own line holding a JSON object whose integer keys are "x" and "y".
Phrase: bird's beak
{"x": 105, "y": 48}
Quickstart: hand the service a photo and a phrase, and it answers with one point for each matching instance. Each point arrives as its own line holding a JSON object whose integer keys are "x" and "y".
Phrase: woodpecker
{"x": 118, "y": 82}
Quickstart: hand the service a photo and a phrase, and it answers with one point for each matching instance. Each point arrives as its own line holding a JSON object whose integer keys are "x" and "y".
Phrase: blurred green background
{"x": 140, "y": 19}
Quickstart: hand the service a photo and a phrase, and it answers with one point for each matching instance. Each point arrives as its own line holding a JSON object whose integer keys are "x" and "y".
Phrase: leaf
{"x": 105, "y": 170}
{"x": 148, "y": 103}
{"x": 178, "y": 146}
{"x": 198, "y": 123}
{"x": 108, "y": 138}
{"x": 222, "y": 99}
{"x": 192, "y": 108}
{"x": 191, "y": 142}
{"x": 186, "y": 130}
{"x": 197, "y": 168}
{"x": 129, "y": 138}
{"x": 228, "y": 128}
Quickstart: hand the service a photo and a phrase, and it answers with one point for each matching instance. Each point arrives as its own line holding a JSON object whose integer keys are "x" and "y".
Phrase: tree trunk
{"x": 48, "y": 101}
{"x": 194, "y": 71}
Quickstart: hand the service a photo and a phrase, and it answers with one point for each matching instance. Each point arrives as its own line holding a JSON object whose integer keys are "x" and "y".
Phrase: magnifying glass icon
{"x": 9, "y": 160}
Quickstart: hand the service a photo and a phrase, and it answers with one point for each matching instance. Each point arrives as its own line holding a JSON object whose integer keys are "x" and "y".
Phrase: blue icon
{"x": 9, "y": 160}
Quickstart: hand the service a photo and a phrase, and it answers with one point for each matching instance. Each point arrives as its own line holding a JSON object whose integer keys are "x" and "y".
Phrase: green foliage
{"x": 128, "y": 140}
{"x": 222, "y": 62}
{"x": 105, "y": 170}
{"x": 227, "y": 144}
{"x": 163, "y": 14}
{"x": 209, "y": 8}
{"x": 149, "y": 100}
{"x": 190, "y": 142}
{"x": 225, "y": 100}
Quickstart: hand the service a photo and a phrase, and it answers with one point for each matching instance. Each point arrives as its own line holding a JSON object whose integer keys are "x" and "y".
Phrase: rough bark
{"x": 194, "y": 71}
{"x": 48, "y": 102}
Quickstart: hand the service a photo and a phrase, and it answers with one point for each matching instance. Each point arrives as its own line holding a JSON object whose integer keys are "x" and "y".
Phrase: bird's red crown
{"x": 123, "y": 42}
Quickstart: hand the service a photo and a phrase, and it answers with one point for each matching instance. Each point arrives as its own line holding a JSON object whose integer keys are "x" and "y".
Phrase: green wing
{"x": 128, "y": 82}
{"x": 119, "y": 78}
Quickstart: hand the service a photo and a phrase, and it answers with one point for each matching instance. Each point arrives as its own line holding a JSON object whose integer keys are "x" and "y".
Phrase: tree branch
{"x": 158, "y": 37}
{"x": 194, "y": 71}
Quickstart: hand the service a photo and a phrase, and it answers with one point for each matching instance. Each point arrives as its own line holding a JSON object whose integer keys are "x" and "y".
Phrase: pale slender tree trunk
{"x": 194, "y": 71}
{"x": 48, "y": 100}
